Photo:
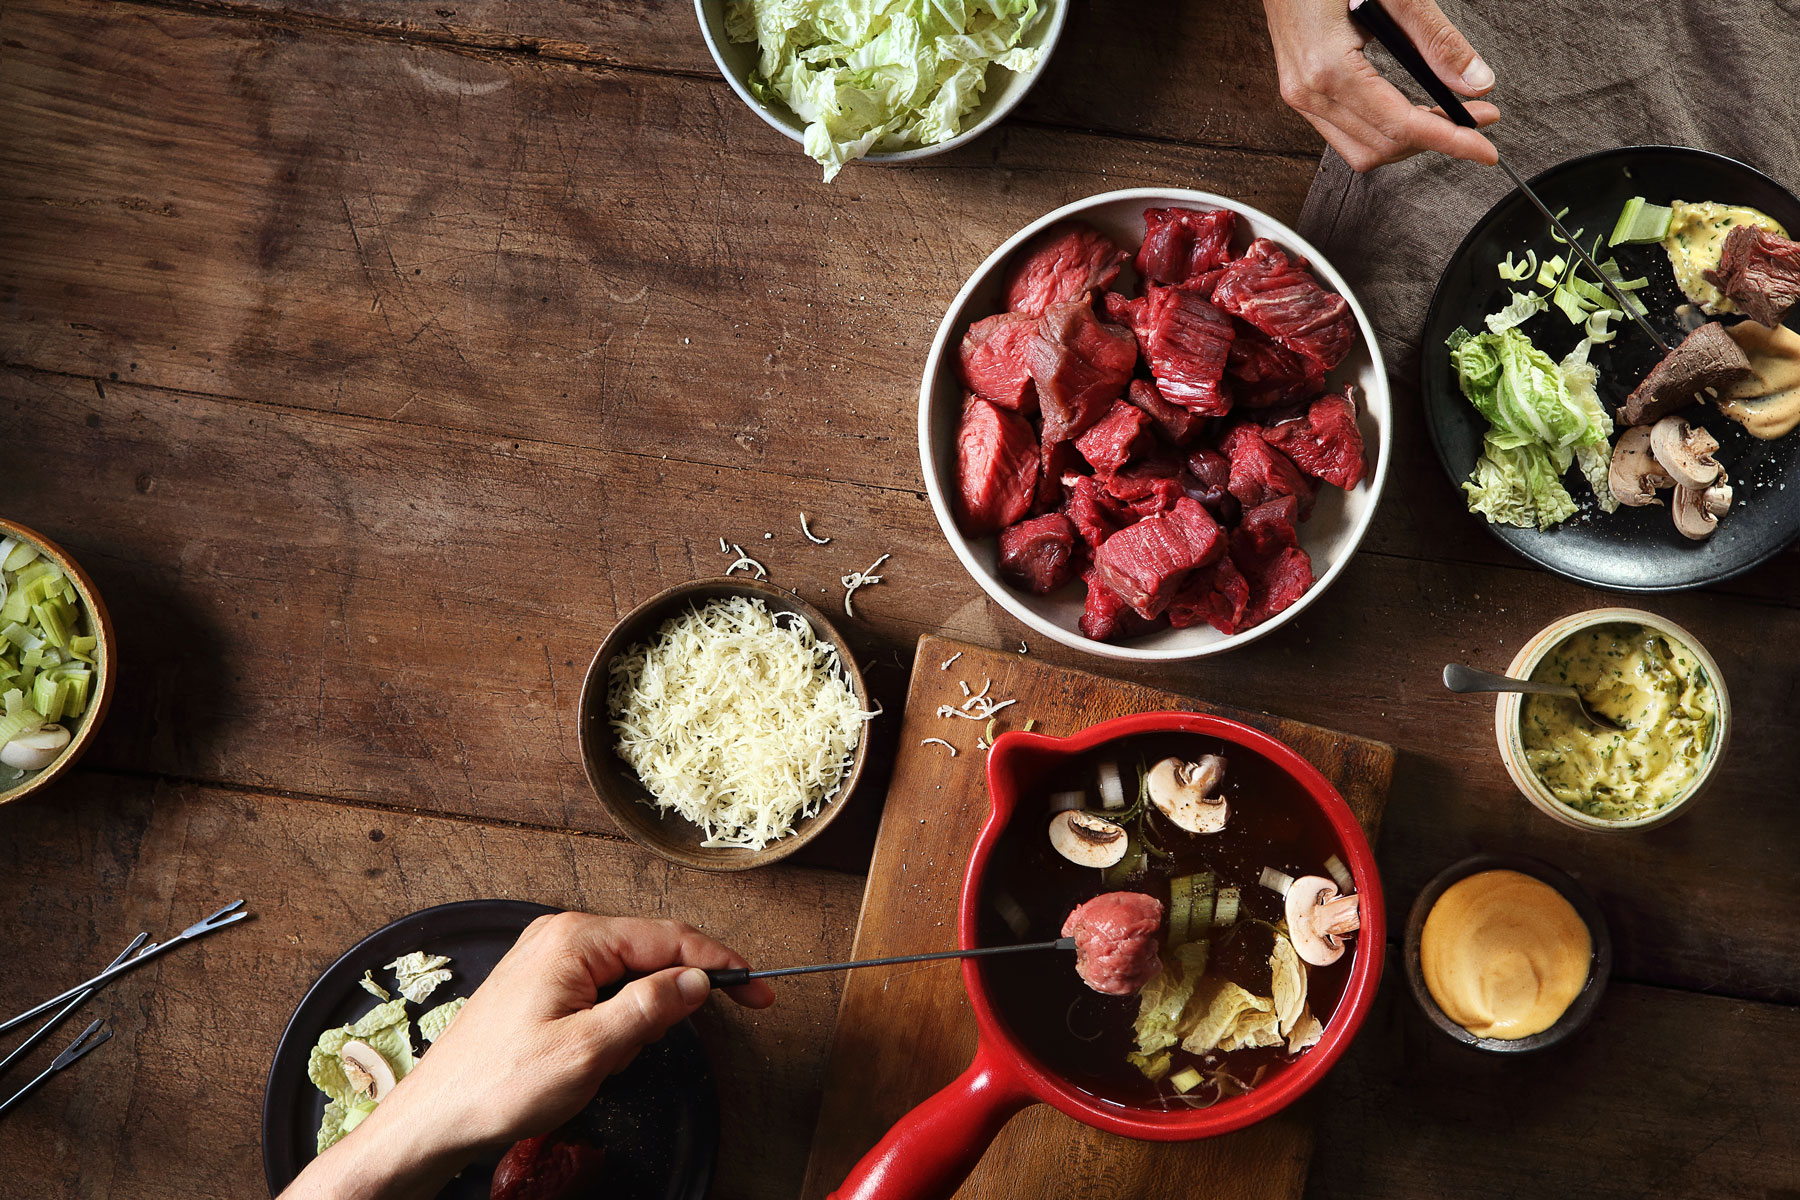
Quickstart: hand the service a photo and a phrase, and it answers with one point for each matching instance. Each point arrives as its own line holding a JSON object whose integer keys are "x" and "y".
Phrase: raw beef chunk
{"x": 1111, "y": 441}
{"x": 1145, "y": 488}
{"x": 995, "y": 361}
{"x": 1259, "y": 472}
{"x": 996, "y": 468}
{"x": 1105, "y": 617}
{"x": 1186, "y": 342}
{"x": 1281, "y": 298}
{"x": 1096, "y": 515}
{"x": 1276, "y": 581}
{"x": 1115, "y": 941}
{"x": 1039, "y": 554}
{"x": 1265, "y": 374}
{"x": 1325, "y": 443}
{"x": 1080, "y": 366}
{"x": 1062, "y": 263}
{"x": 1181, "y": 243}
{"x": 1217, "y": 595}
{"x": 1208, "y": 480}
{"x": 1146, "y": 563}
{"x": 1181, "y": 424}
{"x": 1267, "y": 529}
{"x": 1760, "y": 272}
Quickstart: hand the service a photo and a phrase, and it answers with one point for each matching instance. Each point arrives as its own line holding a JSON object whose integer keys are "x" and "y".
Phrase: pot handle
{"x": 931, "y": 1150}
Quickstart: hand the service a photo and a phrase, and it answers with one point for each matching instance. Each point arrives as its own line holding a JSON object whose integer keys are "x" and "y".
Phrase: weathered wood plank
{"x": 105, "y": 857}
{"x": 437, "y": 236}
{"x": 1199, "y": 73}
{"x": 397, "y": 615}
{"x": 1666, "y": 1094}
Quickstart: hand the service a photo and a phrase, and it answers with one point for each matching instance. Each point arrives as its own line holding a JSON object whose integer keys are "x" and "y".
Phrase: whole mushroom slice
{"x": 1697, "y": 510}
{"x": 1318, "y": 917}
{"x": 35, "y": 750}
{"x": 1635, "y": 476}
{"x": 1182, "y": 792}
{"x": 368, "y": 1072}
{"x": 1685, "y": 452}
{"x": 1087, "y": 840}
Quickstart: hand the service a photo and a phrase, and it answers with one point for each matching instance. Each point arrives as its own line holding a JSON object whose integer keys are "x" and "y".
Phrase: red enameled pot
{"x": 930, "y": 1151}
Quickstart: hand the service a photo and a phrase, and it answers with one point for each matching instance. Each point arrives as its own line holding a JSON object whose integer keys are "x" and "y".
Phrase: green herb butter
{"x": 1695, "y": 240}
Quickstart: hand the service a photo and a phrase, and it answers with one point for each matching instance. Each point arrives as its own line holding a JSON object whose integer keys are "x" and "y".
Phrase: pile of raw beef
{"x": 1162, "y": 447}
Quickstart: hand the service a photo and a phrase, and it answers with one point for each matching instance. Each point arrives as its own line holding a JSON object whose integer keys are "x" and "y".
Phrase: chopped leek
{"x": 1573, "y": 306}
{"x": 1112, "y": 788}
{"x": 1185, "y": 1080}
{"x": 1225, "y": 910}
{"x": 1552, "y": 271}
{"x": 1640, "y": 221}
{"x": 18, "y": 556}
{"x": 1190, "y": 907}
{"x": 47, "y": 646}
{"x": 1340, "y": 874}
{"x": 1518, "y": 272}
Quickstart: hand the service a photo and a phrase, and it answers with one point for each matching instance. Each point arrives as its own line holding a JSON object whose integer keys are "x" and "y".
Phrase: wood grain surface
{"x": 375, "y": 357}
{"x": 902, "y": 1032}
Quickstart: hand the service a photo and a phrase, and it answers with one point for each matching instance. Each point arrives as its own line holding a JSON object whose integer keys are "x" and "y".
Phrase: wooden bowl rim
{"x": 108, "y": 649}
{"x": 641, "y": 822}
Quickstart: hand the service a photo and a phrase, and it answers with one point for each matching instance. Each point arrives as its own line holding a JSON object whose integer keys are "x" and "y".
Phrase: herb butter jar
{"x": 1510, "y": 710}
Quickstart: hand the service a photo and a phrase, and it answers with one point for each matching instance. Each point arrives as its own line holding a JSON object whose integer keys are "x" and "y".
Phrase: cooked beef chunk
{"x": 1061, "y": 264}
{"x": 1267, "y": 528}
{"x": 1759, "y": 271}
{"x": 1325, "y": 442}
{"x": 1218, "y": 595}
{"x": 1259, "y": 472}
{"x": 1146, "y": 563}
{"x": 1186, "y": 342}
{"x": 1114, "y": 439}
{"x": 995, "y": 360}
{"x": 1181, "y": 243}
{"x": 1039, "y": 554}
{"x": 1208, "y": 480}
{"x": 996, "y": 468}
{"x": 1706, "y": 358}
{"x": 1276, "y": 581}
{"x": 1265, "y": 374}
{"x": 1080, "y": 366}
{"x": 1115, "y": 941}
{"x": 1281, "y": 298}
{"x": 1104, "y": 616}
{"x": 1145, "y": 488}
{"x": 1095, "y": 515}
{"x": 1181, "y": 424}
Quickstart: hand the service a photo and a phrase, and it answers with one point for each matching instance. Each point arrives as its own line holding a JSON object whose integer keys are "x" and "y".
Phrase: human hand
{"x": 529, "y": 1049}
{"x": 1367, "y": 120}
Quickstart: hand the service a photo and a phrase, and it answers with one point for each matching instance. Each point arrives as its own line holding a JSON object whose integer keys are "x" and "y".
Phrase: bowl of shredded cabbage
{"x": 885, "y": 81}
{"x": 723, "y": 724}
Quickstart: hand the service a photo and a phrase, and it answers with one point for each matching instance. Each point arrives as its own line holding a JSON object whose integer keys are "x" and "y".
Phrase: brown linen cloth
{"x": 1574, "y": 76}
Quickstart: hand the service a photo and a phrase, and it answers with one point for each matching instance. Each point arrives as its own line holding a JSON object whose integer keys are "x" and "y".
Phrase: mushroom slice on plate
{"x": 1087, "y": 840}
{"x": 1182, "y": 792}
{"x": 1318, "y": 917}
{"x": 1635, "y": 476}
{"x": 368, "y": 1072}
{"x": 1685, "y": 452}
{"x": 1697, "y": 510}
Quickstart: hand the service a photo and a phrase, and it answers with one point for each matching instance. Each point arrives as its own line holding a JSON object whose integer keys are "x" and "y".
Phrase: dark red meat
{"x": 995, "y": 360}
{"x": 1267, "y": 529}
{"x": 1038, "y": 555}
{"x": 1145, "y": 488}
{"x": 1058, "y": 459}
{"x": 1145, "y": 564}
{"x": 1281, "y": 298}
{"x": 1063, "y": 263}
{"x": 1115, "y": 941}
{"x": 1181, "y": 424}
{"x": 550, "y": 1167}
{"x": 1259, "y": 472}
{"x": 1760, "y": 271}
{"x": 1104, "y": 616}
{"x": 1265, "y": 374}
{"x": 1095, "y": 515}
{"x": 1186, "y": 342}
{"x": 1114, "y": 439}
{"x": 1080, "y": 366}
{"x": 996, "y": 468}
{"x": 1180, "y": 243}
{"x": 1208, "y": 480}
{"x": 1217, "y": 595}
{"x": 1325, "y": 443}
{"x": 1276, "y": 581}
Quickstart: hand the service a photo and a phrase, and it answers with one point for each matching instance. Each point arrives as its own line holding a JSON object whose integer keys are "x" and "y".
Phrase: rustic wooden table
{"x": 374, "y": 356}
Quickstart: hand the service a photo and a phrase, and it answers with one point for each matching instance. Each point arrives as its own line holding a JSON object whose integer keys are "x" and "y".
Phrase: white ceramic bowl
{"x": 1330, "y": 536}
{"x": 1512, "y": 748}
{"x": 736, "y": 60}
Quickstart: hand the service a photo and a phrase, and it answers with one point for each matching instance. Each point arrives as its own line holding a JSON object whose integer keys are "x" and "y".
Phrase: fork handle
{"x": 1461, "y": 679}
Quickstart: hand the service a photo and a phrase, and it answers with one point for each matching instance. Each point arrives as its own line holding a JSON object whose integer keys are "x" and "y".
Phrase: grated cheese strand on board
{"x": 737, "y": 718}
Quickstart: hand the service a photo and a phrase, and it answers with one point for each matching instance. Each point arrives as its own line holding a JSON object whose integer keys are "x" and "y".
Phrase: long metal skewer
{"x": 83, "y": 1043}
{"x": 732, "y": 976}
{"x": 31, "y": 1043}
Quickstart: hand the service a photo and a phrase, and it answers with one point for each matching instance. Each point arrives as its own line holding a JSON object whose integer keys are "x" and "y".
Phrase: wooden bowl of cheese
{"x": 724, "y": 724}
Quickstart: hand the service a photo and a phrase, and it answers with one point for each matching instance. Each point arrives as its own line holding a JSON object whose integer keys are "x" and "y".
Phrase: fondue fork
{"x": 732, "y": 976}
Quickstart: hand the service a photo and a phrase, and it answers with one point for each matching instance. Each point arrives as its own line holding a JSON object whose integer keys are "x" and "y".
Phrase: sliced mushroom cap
{"x": 1635, "y": 475}
{"x": 1318, "y": 918}
{"x": 368, "y": 1072}
{"x": 1685, "y": 452}
{"x": 1697, "y": 510}
{"x": 1181, "y": 791}
{"x": 36, "y": 750}
{"x": 1087, "y": 840}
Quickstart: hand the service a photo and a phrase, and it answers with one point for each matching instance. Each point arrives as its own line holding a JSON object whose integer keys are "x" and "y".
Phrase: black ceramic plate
{"x": 1631, "y": 550}
{"x": 658, "y": 1119}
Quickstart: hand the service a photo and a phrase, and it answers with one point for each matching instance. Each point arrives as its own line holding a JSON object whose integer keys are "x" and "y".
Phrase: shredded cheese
{"x": 939, "y": 742}
{"x": 810, "y": 536}
{"x": 860, "y": 579}
{"x": 738, "y": 719}
{"x": 945, "y": 665}
{"x": 743, "y": 561}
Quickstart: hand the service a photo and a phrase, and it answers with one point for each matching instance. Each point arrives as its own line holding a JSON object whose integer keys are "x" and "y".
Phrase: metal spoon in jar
{"x": 1461, "y": 679}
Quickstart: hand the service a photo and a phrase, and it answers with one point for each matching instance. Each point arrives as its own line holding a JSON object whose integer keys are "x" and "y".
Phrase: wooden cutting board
{"x": 904, "y": 1032}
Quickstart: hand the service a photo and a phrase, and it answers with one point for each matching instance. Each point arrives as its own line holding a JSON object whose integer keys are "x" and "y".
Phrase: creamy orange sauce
{"x": 1768, "y": 403}
{"x": 1504, "y": 955}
